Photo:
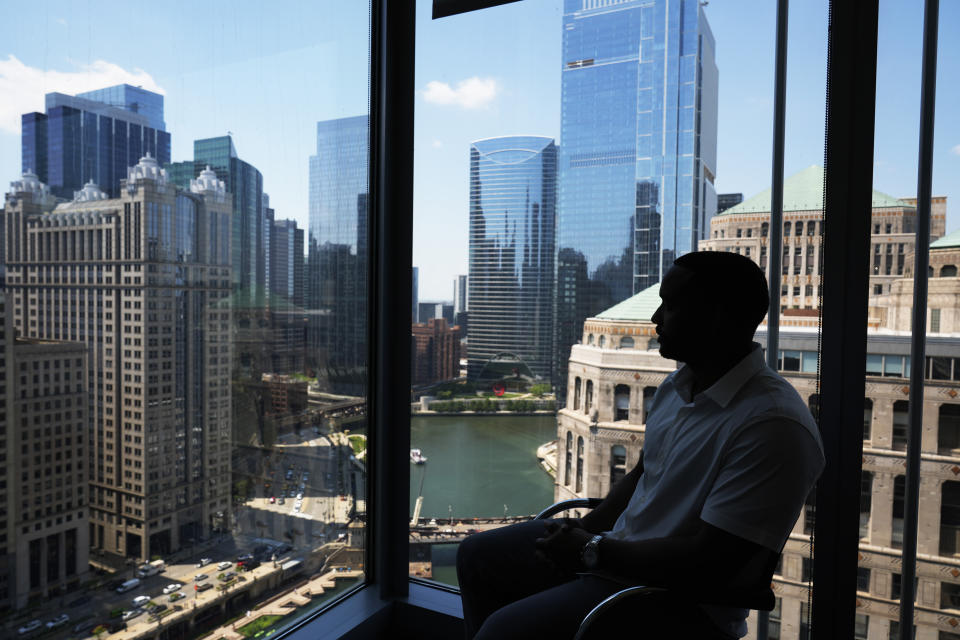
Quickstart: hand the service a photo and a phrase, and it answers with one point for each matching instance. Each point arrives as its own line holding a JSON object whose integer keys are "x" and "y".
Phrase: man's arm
{"x": 604, "y": 516}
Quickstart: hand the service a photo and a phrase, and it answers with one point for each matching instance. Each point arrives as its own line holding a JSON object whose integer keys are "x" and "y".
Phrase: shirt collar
{"x": 723, "y": 390}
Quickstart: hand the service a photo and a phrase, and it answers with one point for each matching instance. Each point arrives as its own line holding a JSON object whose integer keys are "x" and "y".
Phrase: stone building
{"x": 436, "y": 351}
{"x": 44, "y": 548}
{"x": 745, "y": 229}
{"x": 136, "y": 279}
{"x": 616, "y": 367}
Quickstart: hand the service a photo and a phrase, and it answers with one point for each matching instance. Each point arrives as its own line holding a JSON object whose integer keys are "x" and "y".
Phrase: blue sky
{"x": 267, "y": 73}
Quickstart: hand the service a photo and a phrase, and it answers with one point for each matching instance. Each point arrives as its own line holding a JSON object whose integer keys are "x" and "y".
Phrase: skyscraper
{"x": 81, "y": 139}
{"x": 460, "y": 296}
{"x": 336, "y": 266}
{"x": 639, "y": 129}
{"x": 286, "y": 261}
{"x": 513, "y": 191}
{"x": 139, "y": 280}
{"x": 245, "y": 183}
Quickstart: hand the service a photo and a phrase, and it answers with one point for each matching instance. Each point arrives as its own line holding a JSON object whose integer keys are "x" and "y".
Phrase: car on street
{"x": 280, "y": 500}
{"x": 200, "y": 577}
{"x": 273, "y": 499}
{"x": 59, "y": 620}
{"x": 204, "y": 562}
{"x": 244, "y": 557}
{"x": 226, "y": 564}
{"x": 139, "y": 601}
{"x": 176, "y": 596}
{"x": 170, "y": 588}
{"x": 133, "y": 613}
{"x": 33, "y": 625}
{"x": 230, "y": 575}
{"x": 85, "y": 625}
{"x": 204, "y": 586}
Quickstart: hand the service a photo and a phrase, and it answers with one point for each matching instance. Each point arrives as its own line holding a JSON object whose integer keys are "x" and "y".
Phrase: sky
{"x": 268, "y": 72}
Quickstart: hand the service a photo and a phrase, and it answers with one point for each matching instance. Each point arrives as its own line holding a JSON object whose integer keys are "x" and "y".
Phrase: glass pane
{"x": 191, "y": 391}
{"x": 549, "y": 231}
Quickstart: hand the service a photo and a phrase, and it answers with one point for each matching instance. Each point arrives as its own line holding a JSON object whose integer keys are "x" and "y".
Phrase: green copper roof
{"x": 803, "y": 191}
{"x": 947, "y": 241}
{"x": 639, "y": 308}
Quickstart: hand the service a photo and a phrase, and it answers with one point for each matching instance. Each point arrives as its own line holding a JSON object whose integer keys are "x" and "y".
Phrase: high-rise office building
{"x": 461, "y": 295}
{"x": 414, "y": 304}
{"x": 133, "y": 99}
{"x": 286, "y": 261}
{"x": 513, "y": 195}
{"x": 638, "y": 157}
{"x": 245, "y": 183}
{"x": 336, "y": 264}
{"x": 727, "y": 200}
{"x": 138, "y": 280}
{"x": 82, "y": 139}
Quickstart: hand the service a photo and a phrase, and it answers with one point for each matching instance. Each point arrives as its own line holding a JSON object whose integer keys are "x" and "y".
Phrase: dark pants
{"x": 508, "y": 593}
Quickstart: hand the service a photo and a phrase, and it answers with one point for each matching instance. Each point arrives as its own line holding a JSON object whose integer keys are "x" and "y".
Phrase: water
{"x": 475, "y": 466}
{"x": 478, "y": 464}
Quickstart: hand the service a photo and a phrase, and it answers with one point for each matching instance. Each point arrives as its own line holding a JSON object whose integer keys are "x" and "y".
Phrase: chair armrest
{"x": 563, "y": 505}
{"x": 608, "y": 602}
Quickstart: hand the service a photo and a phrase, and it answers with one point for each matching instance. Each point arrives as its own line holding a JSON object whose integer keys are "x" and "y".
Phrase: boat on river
{"x": 417, "y": 457}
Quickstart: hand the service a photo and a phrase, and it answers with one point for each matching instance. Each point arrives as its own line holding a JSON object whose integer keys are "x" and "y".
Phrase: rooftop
{"x": 637, "y": 308}
{"x": 948, "y": 241}
{"x": 803, "y": 191}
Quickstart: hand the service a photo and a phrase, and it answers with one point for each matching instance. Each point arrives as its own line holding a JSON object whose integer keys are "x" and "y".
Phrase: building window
{"x": 934, "y": 320}
{"x": 863, "y": 579}
{"x": 621, "y": 402}
{"x": 899, "y": 493}
{"x": 901, "y": 411}
{"x": 568, "y": 463}
{"x": 618, "y": 463}
{"x": 799, "y": 229}
{"x": 773, "y": 621}
{"x": 948, "y": 431}
{"x": 860, "y": 624}
{"x": 866, "y": 501}
{"x": 626, "y": 342}
{"x": 579, "y": 486}
{"x": 602, "y": 342}
{"x": 786, "y": 229}
{"x": 949, "y": 595}
{"x": 765, "y": 229}
{"x": 950, "y": 518}
{"x": 948, "y": 271}
{"x": 576, "y": 393}
{"x": 588, "y": 398}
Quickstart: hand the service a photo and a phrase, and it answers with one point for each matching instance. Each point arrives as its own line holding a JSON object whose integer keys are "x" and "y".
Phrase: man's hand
{"x": 562, "y": 545}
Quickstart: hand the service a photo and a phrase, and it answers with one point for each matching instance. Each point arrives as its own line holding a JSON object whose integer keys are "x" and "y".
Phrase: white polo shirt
{"x": 742, "y": 456}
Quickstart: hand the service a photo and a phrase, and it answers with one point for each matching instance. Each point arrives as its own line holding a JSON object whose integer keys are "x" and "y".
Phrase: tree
{"x": 540, "y": 389}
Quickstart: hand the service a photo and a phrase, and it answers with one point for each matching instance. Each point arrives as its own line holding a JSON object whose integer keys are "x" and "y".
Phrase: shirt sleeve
{"x": 765, "y": 475}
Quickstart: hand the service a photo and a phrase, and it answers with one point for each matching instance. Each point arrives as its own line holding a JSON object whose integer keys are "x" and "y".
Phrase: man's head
{"x": 711, "y": 302}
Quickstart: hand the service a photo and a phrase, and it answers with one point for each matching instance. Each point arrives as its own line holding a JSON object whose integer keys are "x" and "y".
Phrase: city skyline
{"x": 209, "y": 75}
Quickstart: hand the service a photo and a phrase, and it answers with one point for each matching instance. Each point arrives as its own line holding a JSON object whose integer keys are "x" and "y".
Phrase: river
{"x": 478, "y": 466}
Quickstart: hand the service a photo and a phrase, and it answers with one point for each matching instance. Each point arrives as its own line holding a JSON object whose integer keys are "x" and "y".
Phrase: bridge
{"x": 443, "y": 532}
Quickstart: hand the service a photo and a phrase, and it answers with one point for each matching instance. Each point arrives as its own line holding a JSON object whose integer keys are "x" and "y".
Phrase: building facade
{"x": 137, "y": 280}
{"x": 435, "y": 347}
{"x": 636, "y": 185}
{"x": 287, "y": 261}
{"x": 250, "y": 242}
{"x": 336, "y": 276}
{"x": 513, "y": 195}
{"x": 745, "y": 229}
{"x": 616, "y": 368}
{"x": 727, "y": 200}
{"x": 80, "y": 139}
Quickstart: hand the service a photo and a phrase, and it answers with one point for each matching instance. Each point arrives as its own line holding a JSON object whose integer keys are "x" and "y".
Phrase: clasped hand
{"x": 563, "y": 544}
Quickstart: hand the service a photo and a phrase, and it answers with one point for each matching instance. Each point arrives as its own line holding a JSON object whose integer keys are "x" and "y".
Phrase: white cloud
{"x": 472, "y": 93}
{"x": 956, "y": 150}
{"x": 62, "y": 21}
{"x": 437, "y": 144}
{"x": 23, "y": 87}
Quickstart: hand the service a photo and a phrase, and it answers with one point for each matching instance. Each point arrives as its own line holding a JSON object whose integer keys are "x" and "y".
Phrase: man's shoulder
{"x": 769, "y": 394}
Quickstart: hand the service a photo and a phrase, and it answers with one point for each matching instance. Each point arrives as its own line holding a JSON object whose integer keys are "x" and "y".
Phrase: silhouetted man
{"x": 730, "y": 452}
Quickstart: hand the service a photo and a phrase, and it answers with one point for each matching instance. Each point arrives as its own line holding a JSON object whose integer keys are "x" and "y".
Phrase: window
{"x": 863, "y": 579}
{"x": 568, "y": 453}
{"x": 626, "y": 342}
{"x": 934, "y": 320}
{"x": 576, "y": 393}
{"x": 949, "y": 595}
{"x": 618, "y": 463}
{"x": 901, "y": 409}
{"x": 950, "y": 518}
{"x": 588, "y": 401}
{"x": 896, "y": 530}
{"x": 948, "y": 428}
{"x": 866, "y": 500}
{"x": 621, "y": 402}
{"x": 867, "y": 417}
{"x": 579, "y": 464}
{"x": 648, "y": 393}
{"x": 773, "y": 622}
{"x": 948, "y": 271}
{"x": 861, "y": 622}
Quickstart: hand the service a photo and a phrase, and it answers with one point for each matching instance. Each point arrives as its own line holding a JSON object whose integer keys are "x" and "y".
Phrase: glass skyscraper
{"x": 513, "y": 194}
{"x": 337, "y": 247}
{"x": 80, "y": 139}
{"x": 639, "y": 134}
{"x": 245, "y": 182}
{"x": 133, "y": 99}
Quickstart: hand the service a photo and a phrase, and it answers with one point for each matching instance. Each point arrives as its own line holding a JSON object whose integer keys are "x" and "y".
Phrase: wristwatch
{"x": 591, "y": 552}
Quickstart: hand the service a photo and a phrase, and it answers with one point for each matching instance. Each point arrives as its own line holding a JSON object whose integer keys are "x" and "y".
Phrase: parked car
{"x": 133, "y": 613}
{"x": 170, "y": 588}
{"x": 273, "y": 499}
{"x": 244, "y": 557}
{"x": 33, "y": 625}
{"x": 204, "y": 562}
{"x": 200, "y": 577}
{"x": 59, "y": 620}
{"x": 139, "y": 601}
{"x": 85, "y": 625}
{"x": 226, "y": 564}
{"x": 230, "y": 575}
{"x": 176, "y": 596}
{"x": 204, "y": 586}
{"x": 132, "y": 583}
{"x": 280, "y": 500}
